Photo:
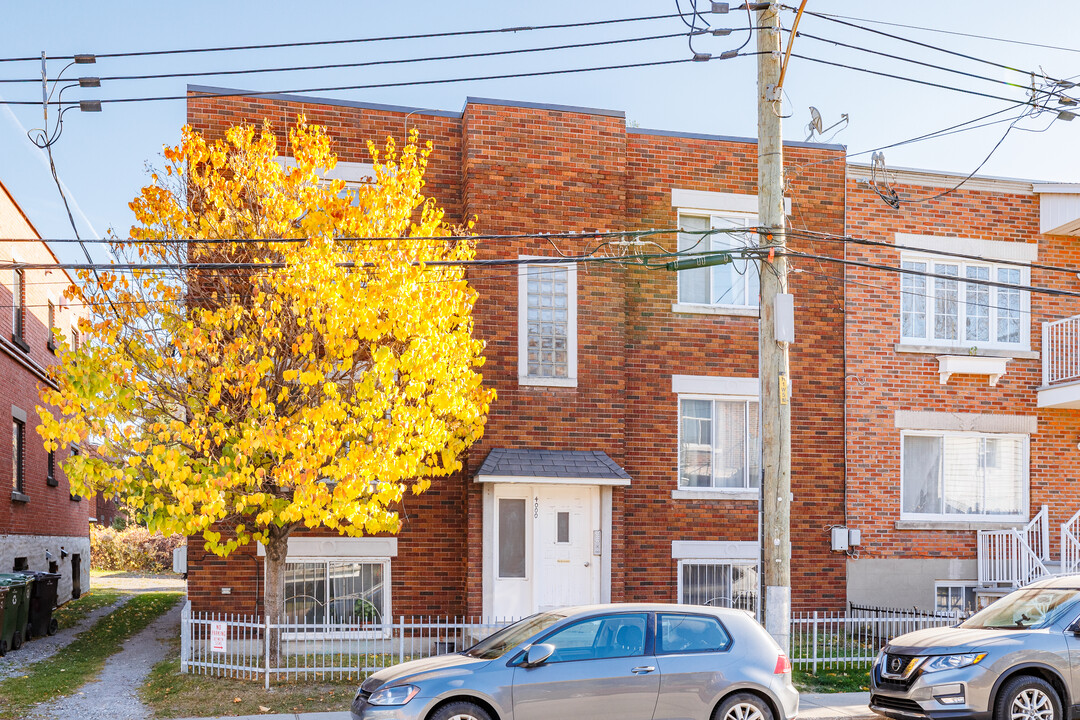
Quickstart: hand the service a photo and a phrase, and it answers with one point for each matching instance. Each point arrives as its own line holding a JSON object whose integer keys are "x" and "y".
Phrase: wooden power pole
{"x": 773, "y": 354}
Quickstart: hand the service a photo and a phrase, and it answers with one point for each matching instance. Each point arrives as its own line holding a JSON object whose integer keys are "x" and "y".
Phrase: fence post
{"x": 401, "y": 639}
{"x": 266, "y": 648}
{"x": 185, "y": 636}
{"x": 814, "y": 643}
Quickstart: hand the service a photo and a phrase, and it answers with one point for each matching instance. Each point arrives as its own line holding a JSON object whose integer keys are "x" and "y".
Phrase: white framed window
{"x": 950, "y": 311}
{"x": 719, "y": 442}
{"x": 349, "y": 592}
{"x": 964, "y": 476}
{"x": 736, "y": 284}
{"x": 955, "y": 598}
{"x": 723, "y": 583}
{"x": 547, "y": 324}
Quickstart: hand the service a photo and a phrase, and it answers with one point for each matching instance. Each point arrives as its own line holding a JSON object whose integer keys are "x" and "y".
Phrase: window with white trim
{"x": 721, "y": 583}
{"x": 341, "y": 590}
{"x": 964, "y": 476}
{"x": 719, "y": 443}
{"x": 954, "y": 598}
{"x": 547, "y": 324}
{"x": 735, "y": 284}
{"x": 950, "y": 311}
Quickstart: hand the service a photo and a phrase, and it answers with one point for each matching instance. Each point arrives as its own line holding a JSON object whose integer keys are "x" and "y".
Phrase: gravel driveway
{"x": 43, "y": 647}
{"x": 114, "y": 695}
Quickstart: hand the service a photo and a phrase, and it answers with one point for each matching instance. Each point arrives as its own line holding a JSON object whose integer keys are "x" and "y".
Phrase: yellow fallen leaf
{"x": 236, "y": 700}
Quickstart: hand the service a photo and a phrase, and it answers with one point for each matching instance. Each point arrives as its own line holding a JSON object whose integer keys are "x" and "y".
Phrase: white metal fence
{"x": 1061, "y": 350}
{"x": 228, "y": 645}
{"x": 839, "y": 639}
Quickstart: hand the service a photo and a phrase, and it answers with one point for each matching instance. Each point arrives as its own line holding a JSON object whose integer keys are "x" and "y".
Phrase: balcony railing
{"x": 1016, "y": 557}
{"x": 1061, "y": 351}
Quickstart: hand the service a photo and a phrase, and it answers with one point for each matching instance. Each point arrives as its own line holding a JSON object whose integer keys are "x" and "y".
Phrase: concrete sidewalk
{"x": 835, "y": 706}
{"x": 812, "y": 706}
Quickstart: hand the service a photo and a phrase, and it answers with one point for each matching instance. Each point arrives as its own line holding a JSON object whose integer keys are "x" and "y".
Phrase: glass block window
{"x": 18, "y": 455}
{"x": 547, "y": 324}
{"x": 721, "y": 583}
{"x": 337, "y": 591}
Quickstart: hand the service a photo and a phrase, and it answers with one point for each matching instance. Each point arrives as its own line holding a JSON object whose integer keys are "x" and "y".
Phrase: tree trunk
{"x": 277, "y": 545}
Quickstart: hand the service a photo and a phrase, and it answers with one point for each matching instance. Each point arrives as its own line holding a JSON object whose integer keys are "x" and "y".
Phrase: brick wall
{"x": 520, "y": 169}
{"x": 885, "y": 380}
{"x": 49, "y": 511}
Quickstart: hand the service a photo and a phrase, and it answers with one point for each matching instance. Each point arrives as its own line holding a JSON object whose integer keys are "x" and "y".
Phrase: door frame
{"x": 528, "y": 487}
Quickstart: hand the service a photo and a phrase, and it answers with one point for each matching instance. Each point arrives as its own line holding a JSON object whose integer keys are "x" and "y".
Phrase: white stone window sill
{"x": 957, "y": 524}
{"x": 734, "y": 310}
{"x": 1018, "y": 353}
{"x": 548, "y": 382}
{"x": 716, "y": 495}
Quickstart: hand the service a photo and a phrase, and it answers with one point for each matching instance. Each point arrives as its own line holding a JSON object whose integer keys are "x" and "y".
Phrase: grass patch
{"x": 78, "y": 663}
{"x": 833, "y": 679}
{"x": 71, "y": 612}
{"x": 170, "y": 694}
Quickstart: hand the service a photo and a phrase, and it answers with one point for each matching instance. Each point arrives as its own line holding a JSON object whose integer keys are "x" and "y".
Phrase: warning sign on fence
{"x": 217, "y": 637}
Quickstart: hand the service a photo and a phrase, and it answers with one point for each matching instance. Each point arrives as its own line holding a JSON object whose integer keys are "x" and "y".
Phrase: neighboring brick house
{"x": 43, "y": 526}
{"x": 620, "y": 459}
{"x": 957, "y": 434}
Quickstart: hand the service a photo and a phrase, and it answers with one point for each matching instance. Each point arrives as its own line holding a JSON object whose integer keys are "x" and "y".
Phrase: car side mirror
{"x": 538, "y": 654}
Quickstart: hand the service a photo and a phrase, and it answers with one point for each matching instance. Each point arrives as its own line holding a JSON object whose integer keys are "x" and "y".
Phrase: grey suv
{"x": 1018, "y": 659}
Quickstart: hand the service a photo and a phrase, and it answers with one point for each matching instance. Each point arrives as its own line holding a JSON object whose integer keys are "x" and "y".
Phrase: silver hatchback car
{"x": 1018, "y": 659}
{"x": 616, "y": 662}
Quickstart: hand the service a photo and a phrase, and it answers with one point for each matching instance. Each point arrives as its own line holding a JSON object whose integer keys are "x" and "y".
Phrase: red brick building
{"x": 957, "y": 435}
{"x": 622, "y": 458}
{"x": 43, "y": 526}
{"x": 618, "y": 385}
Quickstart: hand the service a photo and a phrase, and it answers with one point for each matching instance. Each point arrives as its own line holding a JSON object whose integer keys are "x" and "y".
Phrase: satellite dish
{"x": 815, "y": 119}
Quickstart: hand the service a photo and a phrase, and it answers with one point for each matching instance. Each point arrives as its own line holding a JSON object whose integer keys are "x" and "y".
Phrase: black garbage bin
{"x": 42, "y": 603}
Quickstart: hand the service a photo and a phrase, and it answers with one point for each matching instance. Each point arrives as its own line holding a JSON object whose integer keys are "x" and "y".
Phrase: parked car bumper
{"x": 415, "y": 709}
{"x": 943, "y": 695}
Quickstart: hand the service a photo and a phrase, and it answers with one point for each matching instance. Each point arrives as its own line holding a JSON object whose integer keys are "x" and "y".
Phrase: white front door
{"x": 547, "y": 547}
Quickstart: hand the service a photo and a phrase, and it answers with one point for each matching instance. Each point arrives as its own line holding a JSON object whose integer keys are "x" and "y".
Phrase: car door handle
{"x": 642, "y": 669}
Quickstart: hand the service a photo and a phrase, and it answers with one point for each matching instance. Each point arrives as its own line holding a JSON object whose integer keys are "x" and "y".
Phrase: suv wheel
{"x": 1028, "y": 698}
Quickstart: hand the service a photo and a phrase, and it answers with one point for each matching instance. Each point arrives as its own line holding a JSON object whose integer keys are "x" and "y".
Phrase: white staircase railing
{"x": 1015, "y": 557}
{"x": 1061, "y": 350}
{"x": 1070, "y": 546}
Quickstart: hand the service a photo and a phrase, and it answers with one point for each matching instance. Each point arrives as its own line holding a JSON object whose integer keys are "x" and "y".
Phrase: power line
{"x": 405, "y": 83}
{"x": 385, "y": 38}
{"x": 571, "y": 235}
{"x": 371, "y": 63}
{"x": 929, "y": 46}
{"x": 901, "y": 58}
{"x": 955, "y": 32}
{"x": 924, "y": 273}
{"x": 917, "y": 81}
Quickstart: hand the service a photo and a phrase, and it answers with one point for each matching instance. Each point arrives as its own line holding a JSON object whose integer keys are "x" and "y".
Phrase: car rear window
{"x": 680, "y": 633}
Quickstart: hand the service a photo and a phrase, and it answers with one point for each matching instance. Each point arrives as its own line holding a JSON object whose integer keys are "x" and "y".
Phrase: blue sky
{"x": 102, "y": 158}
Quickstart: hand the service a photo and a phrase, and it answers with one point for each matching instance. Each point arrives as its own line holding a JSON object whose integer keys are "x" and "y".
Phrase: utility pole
{"x": 773, "y": 370}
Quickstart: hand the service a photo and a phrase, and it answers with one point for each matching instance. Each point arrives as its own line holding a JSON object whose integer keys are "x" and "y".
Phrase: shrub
{"x": 134, "y": 548}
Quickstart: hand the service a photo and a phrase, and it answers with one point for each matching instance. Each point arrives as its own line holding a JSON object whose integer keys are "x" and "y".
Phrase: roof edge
{"x": 214, "y": 91}
{"x": 470, "y": 100}
{"x": 939, "y": 178}
{"x": 731, "y": 138}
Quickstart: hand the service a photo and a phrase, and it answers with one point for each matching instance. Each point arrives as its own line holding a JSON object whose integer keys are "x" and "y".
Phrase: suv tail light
{"x": 783, "y": 665}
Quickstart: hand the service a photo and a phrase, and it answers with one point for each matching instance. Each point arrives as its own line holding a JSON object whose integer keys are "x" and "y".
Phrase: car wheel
{"x": 1028, "y": 698}
{"x": 460, "y": 711}
{"x": 744, "y": 706}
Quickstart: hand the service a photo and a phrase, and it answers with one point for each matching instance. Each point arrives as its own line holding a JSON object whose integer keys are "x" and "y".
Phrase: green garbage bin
{"x": 42, "y": 604}
{"x": 17, "y": 612}
{"x": 3, "y": 614}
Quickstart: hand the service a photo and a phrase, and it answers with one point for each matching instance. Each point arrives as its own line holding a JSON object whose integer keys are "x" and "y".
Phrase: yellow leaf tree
{"x": 304, "y": 359}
